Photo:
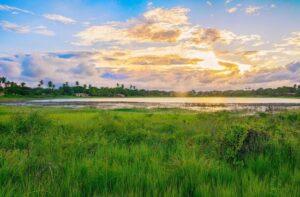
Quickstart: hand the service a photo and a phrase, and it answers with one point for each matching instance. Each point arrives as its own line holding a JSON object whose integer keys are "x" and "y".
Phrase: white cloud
{"x": 24, "y": 29}
{"x": 59, "y": 18}
{"x": 209, "y": 3}
{"x": 8, "y": 26}
{"x": 43, "y": 31}
{"x": 251, "y": 10}
{"x": 14, "y": 10}
{"x": 228, "y": 1}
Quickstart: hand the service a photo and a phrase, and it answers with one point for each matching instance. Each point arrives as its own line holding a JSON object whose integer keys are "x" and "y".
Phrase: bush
{"x": 240, "y": 142}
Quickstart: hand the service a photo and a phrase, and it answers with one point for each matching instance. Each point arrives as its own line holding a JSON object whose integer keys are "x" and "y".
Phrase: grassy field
{"x": 86, "y": 152}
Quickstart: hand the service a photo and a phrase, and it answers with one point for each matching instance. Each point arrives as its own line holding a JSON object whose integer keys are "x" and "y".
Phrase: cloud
{"x": 14, "y": 10}
{"x": 171, "y": 72}
{"x": 59, "y": 18}
{"x": 8, "y": 26}
{"x": 113, "y": 76}
{"x": 175, "y": 16}
{"x": 23, "y": 29}
{"x": 162, "y": 60}
{"x": 228, "y": 1}
{"x": 154, "y": 32}
{"x": 160, "y": 49}
{"x": 156, "y": 25}
{"x": 293, "y": 40}
{"x": 293, "y": 67}
{"x": 43, "y": 31}
{"x": 209, "y": 3}
{"x": 232, "y": 10}
{"x": 252, "y": 10}
{"x": 84, "y": 69}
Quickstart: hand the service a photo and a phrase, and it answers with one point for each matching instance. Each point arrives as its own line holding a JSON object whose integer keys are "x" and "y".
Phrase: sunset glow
{"x": 170, "y": 45}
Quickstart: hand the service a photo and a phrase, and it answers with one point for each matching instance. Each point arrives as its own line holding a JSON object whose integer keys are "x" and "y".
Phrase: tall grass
{"x": 88, "y": 152}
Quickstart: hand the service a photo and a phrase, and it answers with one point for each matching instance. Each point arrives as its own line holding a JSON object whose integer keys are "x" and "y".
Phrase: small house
{"x": 81, "y": 95}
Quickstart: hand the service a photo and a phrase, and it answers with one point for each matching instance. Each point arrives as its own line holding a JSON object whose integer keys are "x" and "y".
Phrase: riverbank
{"x": 84, "y": 152}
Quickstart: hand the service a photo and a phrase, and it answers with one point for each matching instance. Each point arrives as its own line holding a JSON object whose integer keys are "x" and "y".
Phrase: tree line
{"x": 50, "y": 89}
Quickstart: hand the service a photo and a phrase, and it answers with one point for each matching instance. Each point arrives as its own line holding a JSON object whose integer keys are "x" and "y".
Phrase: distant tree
{"x": 41, "y": 83}
{"x": 2, "y": 80}
{"x": 77, "y": 83}
{"x": 23, "y": 84}
{"x": 50, "y": 84}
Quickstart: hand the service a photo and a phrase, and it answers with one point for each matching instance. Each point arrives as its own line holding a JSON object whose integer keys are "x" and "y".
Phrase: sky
{"x": 176, "y": 45}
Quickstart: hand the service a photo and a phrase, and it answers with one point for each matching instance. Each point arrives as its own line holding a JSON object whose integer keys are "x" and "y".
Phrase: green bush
{"x": 240, "y": 142}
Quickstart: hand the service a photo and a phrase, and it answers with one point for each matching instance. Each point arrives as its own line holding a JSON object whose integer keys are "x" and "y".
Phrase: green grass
{"x": 89, "y": 152}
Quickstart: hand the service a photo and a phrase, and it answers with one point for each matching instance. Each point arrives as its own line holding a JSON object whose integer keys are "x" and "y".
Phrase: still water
{"x": 199, "y": 100}
{"x": 191, "y": 103}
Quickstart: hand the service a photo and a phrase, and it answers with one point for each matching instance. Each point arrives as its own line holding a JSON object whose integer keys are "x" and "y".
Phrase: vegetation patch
{"x": 88, "y": 152}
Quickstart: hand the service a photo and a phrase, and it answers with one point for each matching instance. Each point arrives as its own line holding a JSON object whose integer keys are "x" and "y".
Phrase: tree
{"x": 41, "y": 83}
{"x": 77, "y": 83}
{"x": 23, "y": 84}
{"x": 50, "y": 84}
{"x": 2, "y": 79}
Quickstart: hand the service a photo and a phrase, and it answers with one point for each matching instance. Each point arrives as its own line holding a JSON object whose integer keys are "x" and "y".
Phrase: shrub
{"x": 240, "y": 142}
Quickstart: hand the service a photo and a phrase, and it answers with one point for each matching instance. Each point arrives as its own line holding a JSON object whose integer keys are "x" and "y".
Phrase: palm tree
{"x": 41, "y": 83}
{"x": 50, "y": 84}
{"x": 2, "y": 79}
{"x": 23, "y": 84}
{"x": 77, "y": 83}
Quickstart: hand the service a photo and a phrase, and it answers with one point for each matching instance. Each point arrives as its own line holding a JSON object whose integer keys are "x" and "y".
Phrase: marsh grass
{"x": 88, "y": 152}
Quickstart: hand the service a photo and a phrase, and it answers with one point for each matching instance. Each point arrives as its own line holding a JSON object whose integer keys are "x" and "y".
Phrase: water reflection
{"x": 191, "y": 103}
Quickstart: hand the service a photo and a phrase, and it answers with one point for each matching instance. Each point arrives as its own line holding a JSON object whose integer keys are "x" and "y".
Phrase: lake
{"x": 192, "y": 103}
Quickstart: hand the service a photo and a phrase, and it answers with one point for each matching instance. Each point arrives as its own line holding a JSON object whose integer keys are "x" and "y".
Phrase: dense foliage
{"x": 89, "y": 152}
{"x": 12, "y": 88}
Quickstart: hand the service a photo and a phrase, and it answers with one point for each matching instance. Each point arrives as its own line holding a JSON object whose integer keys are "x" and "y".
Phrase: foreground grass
{"x": 62, "y": 152}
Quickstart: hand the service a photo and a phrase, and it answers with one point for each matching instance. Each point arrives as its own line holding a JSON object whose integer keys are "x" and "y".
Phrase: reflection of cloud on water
{"x": 200, "y": 107}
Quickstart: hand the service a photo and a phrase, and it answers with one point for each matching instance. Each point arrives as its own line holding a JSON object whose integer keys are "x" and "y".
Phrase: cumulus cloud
{"x": 293, "y": 40}
{"x": 139, "y": 67}
{"x": 14, "y": 10}
{"x": 162, "y": 60}
{"x": 293, "y": 67}
{"x": 59, "y": 18}
{"x": 157, "y": 25}
{"x": 160, "y": 49}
